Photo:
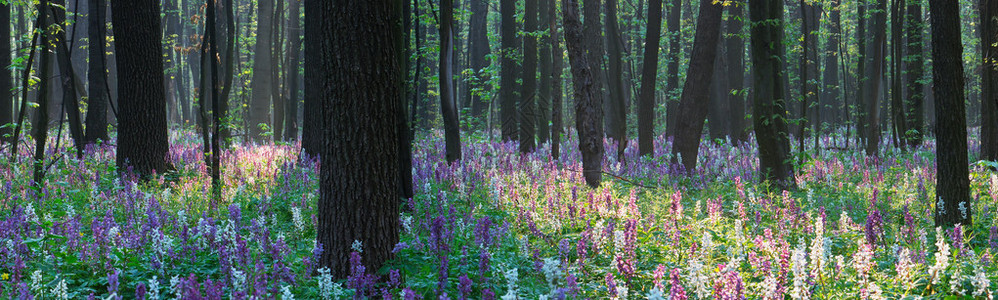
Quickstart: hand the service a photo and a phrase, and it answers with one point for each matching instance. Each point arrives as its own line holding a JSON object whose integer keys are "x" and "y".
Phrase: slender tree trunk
{"x": 291, "y": 71}
{"x": 507, "y": 84}
{"x": 556, "y": 95}
{"x": 649, "y": 78}
{"x": 359, "y": 199}
{"x": 277, "y": 41}
{"x": 588, "y": 101}
{"x": 874, "y": 74}
{"x": 41, "y": 127}
{"x": 6, "y": 78}
{"x": 953, "y": 204}
{"x": 989, "y": 80}
{"x": 915, "y": 72}
{"x": 528, "y": 105}
{"x": 830, "y": 78}
{"x": 97, "y": 76}
{"x": 478, "y": 46}
{"x": 262, "y": 73}
{"x": 543, "y": 98}
{"x": 693, "y": 103}
{"x": 142, "y": 134}
{"x": 672, "y": 83}
{"x": 616, "y": 109}
{"x": 717, "y": 108}
{"x": 735, "y": 45}
{"x": 769, "y": 102}
{"x": 448, "y": 101}
{"x": 899, "y": 122}
{"x": 592, "y": 30}
{"x": 69, "y": 100}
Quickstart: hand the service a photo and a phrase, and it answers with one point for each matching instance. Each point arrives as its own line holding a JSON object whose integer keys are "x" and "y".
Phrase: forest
{"x": 499, "y": 149}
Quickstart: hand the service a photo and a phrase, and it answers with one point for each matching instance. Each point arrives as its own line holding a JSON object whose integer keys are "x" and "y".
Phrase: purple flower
{"x": 874, "y": 227}
{"x": 482, "y": 235}
{"x": 483, "y": 265}
{"x": 676, "y": 292}
{"x": 140, "y": 291}
{"x": 487, "y": 294}
{"x": 611, "y": 285}
{"x": 464, "y": 285}
{"x": 112, "y": 282}
{"x": 658, "y": 275}
{"x": 993, "y": 238}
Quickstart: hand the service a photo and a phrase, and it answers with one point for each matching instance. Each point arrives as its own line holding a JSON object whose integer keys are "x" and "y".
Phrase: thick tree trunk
{"x": 830, "y": 79}
{"x": 672, "y": 83}
{"x": 616, "y": 109}
{"x": 769, "y": 102}
{"x": 649, "y": 78}
{"x": 142, "y": 134}
{"x": 588, "y": 101}
{"x": 277, "y": 40}
{"x": 262, "y": 73}
{"x": 953, "y": 204}
{"x": 898, "y": 120}
{"x": 6, "y": 77}
{"x": 735, "y": 46}
{"x": 478, "y": 47}
{"x": 543, "y": 98}
{"x": 448, "y": 101}
{"x": 41, "y": 126}
{"x": 311, "y": 136}
{"x": 508, "y": 66}
{"x": 810, "y": 113}
{"x": 528, "y": 106}
{"x": 874, "y": 77}
{"x": 717, "y": 108}
{"x": 291, "y": 72}
{"x": 97, "y": 76}
{"x": 695, "y": 97}
{"x": 592, "y": 31}
{"x": 914, "y": 65}
{"x": 989, "y": 80}
{"x": 557, "y": 58}
{"x": 359, "y": 199}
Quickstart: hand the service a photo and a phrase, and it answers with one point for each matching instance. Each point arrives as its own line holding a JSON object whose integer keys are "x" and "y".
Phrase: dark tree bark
{"x": 557, "y": 58}
{"x": 6, "y": 78}
{"x": 41, "y": 127}
{"x": 769, "y": 102}
{"x": 528, "y": 105}
{"x": 230, "y": 62}
{"x": 915, "y": 72}
{"x": 70, "y": 102}
{"x": 649, "y": 78}
{"x": 97, "y": 76}
{"x": 830, "y": 78}
{"x": 953, "y": 204}
{"x": 545, "y": 67}
{"x": 717, "y": 108}
{"x": 507, "y": 80}
{"x": 874, "y": 77}
{"x": 478, "y": 47}
{"x": 989, "y": 80}
{"x": 262, "y": 73}
{"x": 672, "y": 82}
{"x": 277, "y": 40}
{"x": 291, "y": 93}
{"x": 693, "y": 103}
{"x": 616, "y": 110}
{"x": 448, "y": 101}
{"x": 404, "y": 123}
{"x": 311, "y": 137}
{"x": 588, "y": 103}
{"x": 735, "y": 45}
{"x": 899, "y": 124}
{"x": 592, "y": 31}
{"x": 861, "y": 79}
{"x": 142, "y": 134}
{"x": 810, "y": 18}
{"x": 359, "y": 199}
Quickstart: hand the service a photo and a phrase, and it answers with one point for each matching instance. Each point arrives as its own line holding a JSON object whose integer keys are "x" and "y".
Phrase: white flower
{"x": 161, "y": 242}
{"x": 238, "y": 280}
{"x": 622, "y": 291}
{"x": 175, "y": 287}
{"x": 698, "y": 278}
{"x": 905, "y": 268}
{"x": 552, "y": 270}
{"x": 980, "y": 282}
{"x": 655, "y": 294}
{"x": 941, "y": 206}
{"x": 512, "y": 276}
{"x": 618, "y": 240}
{"x": 873, "y": 292}
{"x": 297, "y": 220}
{"x": 799, "y": 267}
{"x": 357, "y": 246}
{"x": 29, "y": 213}
{"x": 844, "y": 221}
{"x": 707, "y": 241}
{"x": 963, "y": 209}
{"x": 60, "y": 291}
{"x": 768, "y": 287}
{"x": 36, "y": 280}
{"x": 286, "y": 293}
{"x": 407, "y": 223}
{"x": 182, "y": 217}
{"x": 818, "y": 248}
{"x": 942, "y": 257}
{"x": 325, "y": 283}
{"x": 956, "y": 283}
{"x": 153, "y": 288}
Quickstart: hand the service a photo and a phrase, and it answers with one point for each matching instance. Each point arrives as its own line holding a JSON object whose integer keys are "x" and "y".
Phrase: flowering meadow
{"x": 500, "y": 224}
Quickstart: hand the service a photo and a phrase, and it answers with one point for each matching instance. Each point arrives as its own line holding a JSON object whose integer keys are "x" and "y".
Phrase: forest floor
{"x": 502, "y": 224}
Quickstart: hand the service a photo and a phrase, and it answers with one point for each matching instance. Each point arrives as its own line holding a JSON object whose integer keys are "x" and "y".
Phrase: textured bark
{"x": 649, "y": 78}
{"x": 478, "y": 48}
{"x": 528, "y": 96}
{"x": 592, "y": 31}
{"x": 717, "y": 108}
{"x": 899, "y": 124}
{"x": 694, "y": 100}
{"x": 276, "y": 92}
{"x": 97, "y": 76}
{"x": 70, "y": 102}
{"x": 41, "y": 124}
{"x": 810, "y": 18}
{"x": 291, "y": 93}
{"x": 359, "y": 199}
{"x": 259, "y": 110}
{"x": 830, "y": 78}
{"x": 311, "y": 136}
{"x": 874, "y": 77}
{"x": 556, "y": 93}
{"x": 448, "y": 100}
{"x": 952, "y": 175}
{"x": 545, "y": 67}
{"x": 672, "y": 82}
{"x": 588, "y": 103}
{"x": 616, "y": 110}
{"x": 507, "y": 80}
{"x": 861, "y": 57}
{"x": 735, "y": 45}
{"x": 989, "y": 80}
{"x": 142, "y": 132}
{"x": 914, "y": 61}
{"x": 769, "y": 101}
{"x": 6, "y": 78}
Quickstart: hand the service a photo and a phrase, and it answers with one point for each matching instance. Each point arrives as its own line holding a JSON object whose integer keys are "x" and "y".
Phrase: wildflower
{"x": 676, "y": 292}
{"x": 5, "y": 276}
{"x": 956, "y": 283}
{"x": 297, "y": 220}
{"x": 769, "y": 287}
{"x": 707, "y": 242}
{"x": 325, "y": 283}
{"x": 942, "y": 257}
{"x": 981, "y": 283}
{"x": 512, "y": 275}
{"x": 60, "y": 291}
{"x": 872, "y": 292}
{"x": 286, "y": 293}
{"x": 154, "y": 288}
{"x": 238, "y": 280}
{"x": 863, "y": 261}
{"x": 818, "y": 248}
{"x": 464, "y": 286}
{"x": 799, "y": 268}
{"x": 357, "y": 246}
{"x": 905, "y": 268}
{"x": 36, "y": 280}
{"x": 698, "y": 278}
{"x": 655, "y": 294}
{"x": 552, "y": 270}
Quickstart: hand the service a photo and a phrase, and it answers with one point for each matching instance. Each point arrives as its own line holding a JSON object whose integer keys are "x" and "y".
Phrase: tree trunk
{"x": 649, "y": 78}
{"x": 899, "y": 122}
{"x": 543, "y": 97}
{"x": 45, "y": 63}
{"x": 695, "y": 97}
{"x": 478, "y": 46}
{"x": 769, "y": 103}
{"x": 557, "y": 58}
{"x": 507, "y": 84}
{"x": 989, "y": 80}
{"x": 97, "y": 76}
{"x": 588, "y": 103}
{"x": 672, "y": 83}
{"x": 448, "y": 101}
{"x": 874, "y": 77}
{"x": 262, "y": 73}
{"x": 6, "y": 78}
{"x": 953, "y": 204}
{"x": 277, "y": 41}
{"x": 142, "y": 134}
{"x": 291, "y": 71}
{"x": 717, "y": 108}
{"x": 592, "y": 30}
{"x": 528, "y": 106}
{"x": 830, "y": 78}
{"x": 311, "y": 136}
{"x": 359, "y": 199}
{"x": 70, "y": 102}
{"x": 810, "y": 113}
{"x": 914, "y": 65}
{"x": 616, "y": 110}
{"x": 735, "y": 46}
